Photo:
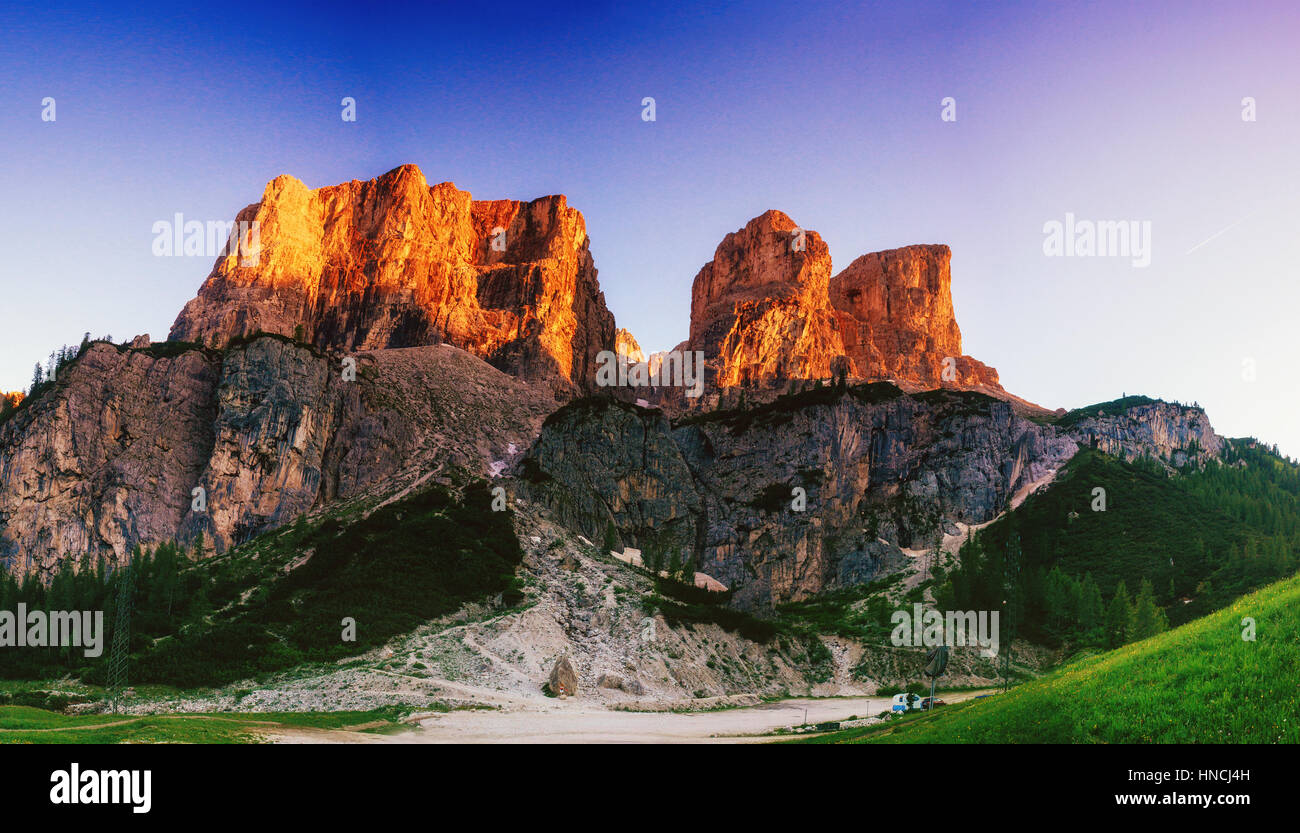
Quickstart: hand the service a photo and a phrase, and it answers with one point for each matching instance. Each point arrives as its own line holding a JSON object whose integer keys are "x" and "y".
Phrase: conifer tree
{"x": 1148, "y": 618}
{"x": 1119, "y": 618}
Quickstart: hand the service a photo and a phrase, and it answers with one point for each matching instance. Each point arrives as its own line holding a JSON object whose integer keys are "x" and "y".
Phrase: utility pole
{"x": 935, "y": 663}
{"x": 121, "y": 636}
{"x": 1011, "y": 581}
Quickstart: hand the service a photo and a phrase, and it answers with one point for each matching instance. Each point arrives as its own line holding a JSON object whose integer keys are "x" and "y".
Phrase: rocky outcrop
{"x": 1175, "y": 434}
{"x": 394, "y": 262}
{"x": 625, "y": 345}
{"x": 632, "y": 477}
{"x": 766, "y": 311}
{"x": 107, "y": 458}
{"x": 760, "y": 310}
{"x": 796, "y": 497}
{"x": 111, "y": 456}
{"x": 822, "y": 490}
{"x": 897, "y": 320}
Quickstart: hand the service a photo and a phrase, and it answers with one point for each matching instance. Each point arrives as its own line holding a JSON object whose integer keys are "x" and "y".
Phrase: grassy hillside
{"x": 23, "y": 724}
{"x": 1200, "y": 683}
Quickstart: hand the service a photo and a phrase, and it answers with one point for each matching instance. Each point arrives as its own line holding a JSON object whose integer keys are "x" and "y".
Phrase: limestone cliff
{"x": 394, "y": 262}
{"x": 897, "y": 320}
{"x": 1164, "y": 431}
{"x": 625, "y": 344}
{"x": 766, "y": 311}
{"x": 821, "y": 490}
{"x": 111, "y": 456}
{"x": 760, "y": 310}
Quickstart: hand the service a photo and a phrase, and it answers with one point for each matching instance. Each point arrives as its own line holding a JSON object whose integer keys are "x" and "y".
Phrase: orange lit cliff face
{"x": 394, "y": 262}
{"x": 760, "y": 310}
{"x": 897, "y": 321}
{"x": 766, "y": 310}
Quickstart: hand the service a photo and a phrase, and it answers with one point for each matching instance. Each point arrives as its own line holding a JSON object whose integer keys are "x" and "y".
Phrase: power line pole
{"x": 121, "y": 636}
{"x": 1011, "y": 576}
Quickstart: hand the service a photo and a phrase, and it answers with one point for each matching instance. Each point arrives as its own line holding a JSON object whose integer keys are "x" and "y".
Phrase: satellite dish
{"x": 936, "y": 661}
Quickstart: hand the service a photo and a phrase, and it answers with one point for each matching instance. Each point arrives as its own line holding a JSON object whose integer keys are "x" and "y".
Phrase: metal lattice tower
{"x": 121, "y": 649}
{"x": 1011, "y": 584}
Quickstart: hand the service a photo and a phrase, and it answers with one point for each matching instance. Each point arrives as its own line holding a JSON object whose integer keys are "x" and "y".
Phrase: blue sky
{"x": 829, "y": 112}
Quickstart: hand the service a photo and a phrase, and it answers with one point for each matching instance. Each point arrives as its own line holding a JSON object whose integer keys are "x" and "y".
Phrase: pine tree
{"x": 1056, "y": 601}
{"x": 1119, "y": 618}
{"x": 1092, "y": 610}
{"x": 1148, "y": 618}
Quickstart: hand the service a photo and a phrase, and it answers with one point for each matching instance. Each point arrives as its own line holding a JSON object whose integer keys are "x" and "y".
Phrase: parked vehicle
{"x": 926, "y": 705}
{"x": 905, "y": 701}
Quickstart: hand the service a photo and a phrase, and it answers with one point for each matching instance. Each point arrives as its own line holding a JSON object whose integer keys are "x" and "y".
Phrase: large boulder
{"x": 563, "y": 679}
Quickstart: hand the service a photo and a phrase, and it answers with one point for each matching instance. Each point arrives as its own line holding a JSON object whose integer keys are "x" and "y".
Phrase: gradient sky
{"x": 829, "y": 112}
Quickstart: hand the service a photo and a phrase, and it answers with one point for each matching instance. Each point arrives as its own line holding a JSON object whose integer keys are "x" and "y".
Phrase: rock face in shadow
{"x": 268, "y": 429}
{"x": 821, "y": 490}
{"x": 394, "y": 262}
{"x": 601, "y": 463}
{"x": 106, "y": 459}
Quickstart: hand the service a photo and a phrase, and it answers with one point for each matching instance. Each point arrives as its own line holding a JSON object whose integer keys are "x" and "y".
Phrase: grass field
{"x": 24, "y": 724}
{"x": 1200, "y": 683}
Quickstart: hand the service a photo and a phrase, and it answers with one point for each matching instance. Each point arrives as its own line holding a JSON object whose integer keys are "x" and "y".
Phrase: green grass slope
{"x": 24, "y": 724}
{"x": 1200, "y": 683}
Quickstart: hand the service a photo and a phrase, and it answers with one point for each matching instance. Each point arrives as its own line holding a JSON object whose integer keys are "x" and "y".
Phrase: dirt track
{"x": 575, "y": 722}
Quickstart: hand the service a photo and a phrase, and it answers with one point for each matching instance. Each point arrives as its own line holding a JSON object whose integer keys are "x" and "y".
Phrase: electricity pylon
{"x": 121, "y": 649}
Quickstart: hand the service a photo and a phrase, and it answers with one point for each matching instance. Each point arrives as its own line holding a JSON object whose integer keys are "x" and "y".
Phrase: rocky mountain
{"x": 268, "y": 429}
{"x": 395, "y": 262}
{"x": 760, "y": 310}
{"x": 766, "y": 312}
{"x": 389, "y": 335}
{"x": 821, "y": 490}
{"x": 625, "y": 345}
{"x": 465, "y": 321}
{"x": 897, "y": 321}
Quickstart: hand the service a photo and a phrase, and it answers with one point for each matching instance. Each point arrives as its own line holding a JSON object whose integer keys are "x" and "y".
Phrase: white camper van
{"x": 903, "y": 702}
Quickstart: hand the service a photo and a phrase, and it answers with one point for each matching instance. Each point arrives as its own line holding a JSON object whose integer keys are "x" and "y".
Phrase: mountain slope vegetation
{"x": 1204, "y": 682}
{"x": 281, "y": 599}
{"x": 1194, "y": 541}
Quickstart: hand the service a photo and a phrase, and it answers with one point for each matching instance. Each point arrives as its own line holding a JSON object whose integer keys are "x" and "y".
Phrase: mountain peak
{"x": 766, "y": 310}
{"x": 394, "y": 262}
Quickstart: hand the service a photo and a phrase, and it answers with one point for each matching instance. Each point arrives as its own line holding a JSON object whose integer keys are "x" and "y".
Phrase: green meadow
{"x": 1199, "y": 683}
{"x": 25, "y": 724}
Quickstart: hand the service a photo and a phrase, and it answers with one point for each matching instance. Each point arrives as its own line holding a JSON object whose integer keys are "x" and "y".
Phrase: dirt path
{"x": 575, "y": 722}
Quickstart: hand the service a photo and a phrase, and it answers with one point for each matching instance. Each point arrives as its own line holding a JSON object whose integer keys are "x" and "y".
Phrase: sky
{"x": 832, "y": 113}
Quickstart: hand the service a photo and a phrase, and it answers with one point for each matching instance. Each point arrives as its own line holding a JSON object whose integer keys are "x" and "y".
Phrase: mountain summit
{"x": 766, "y": 310}
{"x": 395, "y": 262}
